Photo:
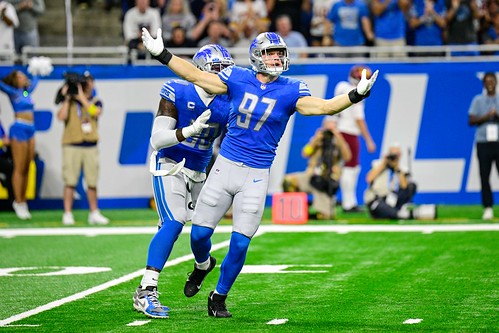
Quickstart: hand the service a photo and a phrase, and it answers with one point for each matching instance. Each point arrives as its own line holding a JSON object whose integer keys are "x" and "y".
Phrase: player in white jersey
{"x": 188, "y": 121}
{"x": 351, "y": 125}
{"x": 262, "y": 101}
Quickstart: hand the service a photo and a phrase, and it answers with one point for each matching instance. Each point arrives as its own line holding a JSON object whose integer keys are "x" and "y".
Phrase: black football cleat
{"x": 217, "y": 307}
{"x": 196, "y": 278}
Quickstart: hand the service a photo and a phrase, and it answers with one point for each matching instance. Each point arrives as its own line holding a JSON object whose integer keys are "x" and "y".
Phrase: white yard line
{"x": 99, "y": 288}
{"x": 341, "y": 229}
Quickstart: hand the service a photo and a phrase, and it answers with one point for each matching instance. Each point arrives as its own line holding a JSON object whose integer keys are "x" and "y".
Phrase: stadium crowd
{"x": 301, "y": 23}
{"x": 304, "y": 23}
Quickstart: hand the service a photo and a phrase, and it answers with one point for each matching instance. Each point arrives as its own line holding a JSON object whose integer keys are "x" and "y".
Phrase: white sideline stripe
{"x": 138, "y": 323}
{"x": 99, "y": 288}
{"x": 341, "y": 229}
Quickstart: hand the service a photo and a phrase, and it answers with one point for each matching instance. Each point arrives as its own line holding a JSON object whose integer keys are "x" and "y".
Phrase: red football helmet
{"x": 356, "y": 73}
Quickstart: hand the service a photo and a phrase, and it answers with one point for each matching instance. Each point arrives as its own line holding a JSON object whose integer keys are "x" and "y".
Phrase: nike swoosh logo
{"x": 143, "y": 303}
{"x": 257, "y": 180}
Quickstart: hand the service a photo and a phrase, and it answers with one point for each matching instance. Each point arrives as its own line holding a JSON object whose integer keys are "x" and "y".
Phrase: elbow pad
{"x": 163, "y": 132}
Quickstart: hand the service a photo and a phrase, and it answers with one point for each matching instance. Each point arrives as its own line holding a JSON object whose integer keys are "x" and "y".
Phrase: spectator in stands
{"x": 390, "y": 191}
{"x": 326, "y": 151}
{"x": 8, "y": 22}
{"x": 350, "y": 23}
{"x": 352, "y": 125}
{"x": 484, "y": 114}
{"x": 299, "y": 11}
{"x": 142, "y": 15}
{"x": 247, "y": 10}
{"x": 80, "y": 110}
{"x": 320, "y": 26}
{"x": 215, "y": 10}
{"x": 427, "y": 18}
{"x": 491, "y": 35}
{"x": 26, "y": 34}
{"x": 218, "y": 33}
{"x": 291, "y": 37}
{"x": 177, "y": 14}
{"x": 245, "y": 32}
{"x": 461, "y": 16}
{"x": 179, "y": 39}
{"x": 247, "y": 19}
{"x": 390, "y": 25}
{"x": 197, "y": 7}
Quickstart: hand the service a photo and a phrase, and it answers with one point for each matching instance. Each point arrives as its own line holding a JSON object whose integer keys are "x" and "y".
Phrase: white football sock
{"x": 150, "y": 278}
{"x": 203, "y": 265}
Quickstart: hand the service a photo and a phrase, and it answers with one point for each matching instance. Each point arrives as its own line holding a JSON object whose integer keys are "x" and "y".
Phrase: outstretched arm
{"x": 208, "y": 81}
{"x": 310, "y": 105}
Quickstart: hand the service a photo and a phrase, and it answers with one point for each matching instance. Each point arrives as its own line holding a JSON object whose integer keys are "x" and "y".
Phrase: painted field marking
{"x": 340, "y": 229}
{"x": 280, "y": 269}
{"x": 104, "y": 286}
{"x": 8, "y": 233}
{"x": 138, "y": 323}
{"x": 278, "y": 321}
{"x": 413, "y": 321}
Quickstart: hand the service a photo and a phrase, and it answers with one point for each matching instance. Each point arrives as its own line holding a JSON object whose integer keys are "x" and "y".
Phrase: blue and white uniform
{"x": 20, "y": 98}
{"x": 258, "y": 117}
{"x": 176, "y": 195}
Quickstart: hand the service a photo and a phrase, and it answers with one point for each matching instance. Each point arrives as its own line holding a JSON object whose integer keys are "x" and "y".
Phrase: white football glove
{"x": 364, "y": 84}
{"x": 153, "y": 45}
{"x": 198, "y": 126}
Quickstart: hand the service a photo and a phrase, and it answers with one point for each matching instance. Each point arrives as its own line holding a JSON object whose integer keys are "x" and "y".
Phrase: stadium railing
{"x": 121, "y": 54}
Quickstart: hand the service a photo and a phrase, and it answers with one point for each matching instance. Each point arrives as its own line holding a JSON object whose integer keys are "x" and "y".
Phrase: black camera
{"x": 392, "y": 157}
{"x": 72, "y": 80}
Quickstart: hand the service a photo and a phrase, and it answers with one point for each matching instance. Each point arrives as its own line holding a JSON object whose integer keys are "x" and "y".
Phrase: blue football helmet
{"x": 263, "y": 43}
{"x": 212, "y": 58}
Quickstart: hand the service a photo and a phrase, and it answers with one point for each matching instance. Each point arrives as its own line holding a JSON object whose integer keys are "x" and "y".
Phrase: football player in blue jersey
{"x": 188, "y": 121}
{"x": 262, "y": 101}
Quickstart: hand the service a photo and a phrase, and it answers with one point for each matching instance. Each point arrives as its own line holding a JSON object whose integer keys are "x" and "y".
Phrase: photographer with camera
{"x": 326, "y": 152}
{"x": 390, "y": 190}
{"x": 80, "y": 110}
{"x": 484, "y": 114}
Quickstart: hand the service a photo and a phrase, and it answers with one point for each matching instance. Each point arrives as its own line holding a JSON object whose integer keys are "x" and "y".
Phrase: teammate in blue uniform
{"x": 262, "y": 101}
{"x": 22, "y": 135}
{"x": 188, "y": 121}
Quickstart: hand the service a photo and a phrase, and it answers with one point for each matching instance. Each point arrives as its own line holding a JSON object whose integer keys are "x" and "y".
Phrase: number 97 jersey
{"x": 259, "y": 115}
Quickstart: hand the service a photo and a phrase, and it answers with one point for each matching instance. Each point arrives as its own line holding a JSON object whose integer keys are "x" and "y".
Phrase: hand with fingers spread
{"x": 154, "y": 45}
{"x": 364, "y": 86}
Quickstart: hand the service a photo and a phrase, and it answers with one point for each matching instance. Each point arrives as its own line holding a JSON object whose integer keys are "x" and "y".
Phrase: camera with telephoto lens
{"x": 72, "y": 80}
{"x": 392, "y": 157}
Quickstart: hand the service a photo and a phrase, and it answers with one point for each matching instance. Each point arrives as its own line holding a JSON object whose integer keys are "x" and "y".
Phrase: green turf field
{"x": 348, "y": 275}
